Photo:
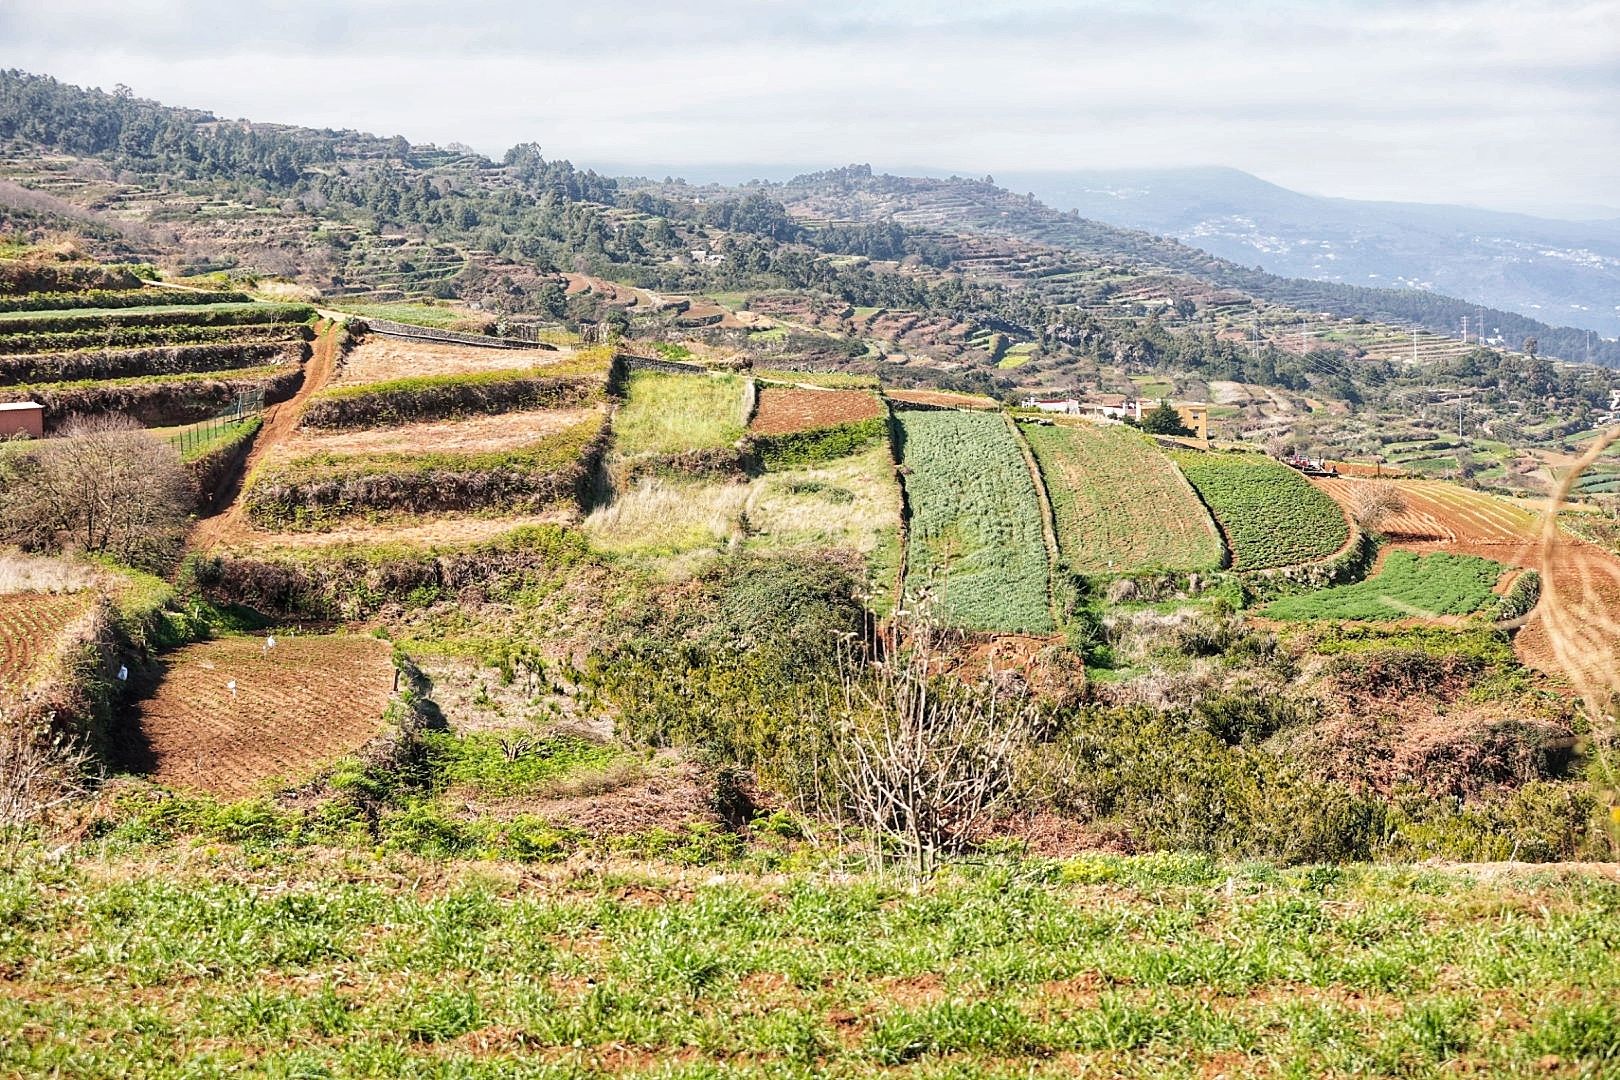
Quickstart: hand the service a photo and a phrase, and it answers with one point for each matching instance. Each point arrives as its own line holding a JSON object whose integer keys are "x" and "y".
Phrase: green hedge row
{"x": 230, "y": 314}
{"x": 157, "y": 360}
{"x": 107, "y": 299}
{"x": 800, "y": 448}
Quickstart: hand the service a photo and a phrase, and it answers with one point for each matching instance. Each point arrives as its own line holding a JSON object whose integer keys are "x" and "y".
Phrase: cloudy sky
{"x": 1488, "y": 102}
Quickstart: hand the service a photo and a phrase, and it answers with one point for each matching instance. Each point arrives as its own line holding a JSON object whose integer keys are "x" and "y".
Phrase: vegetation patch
{"x": 113, "y": 299}
{"x": 974, "y": 539}
{"x": 1271, "y": 515}
{"x": 1409, "y": 586}
{"x": 1119, "y": 504}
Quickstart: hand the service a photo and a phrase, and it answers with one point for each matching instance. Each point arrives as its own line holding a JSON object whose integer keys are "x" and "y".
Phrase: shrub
{"x": 104, "y": 364}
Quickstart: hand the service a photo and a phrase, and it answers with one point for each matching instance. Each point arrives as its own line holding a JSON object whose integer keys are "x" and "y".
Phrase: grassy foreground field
{"x": 200, "y": 961}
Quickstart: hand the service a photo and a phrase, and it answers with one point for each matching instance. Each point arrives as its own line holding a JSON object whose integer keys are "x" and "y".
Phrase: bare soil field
{"x": 473, "y": 435}
{"x": 1574, "y": 631}
{"x": 788, "y": 409}
{"x": 379, "y": 358}
{"x": 304, "y": 702}
{"x": 30, "y": 624}
{"x": 942, "y": 398}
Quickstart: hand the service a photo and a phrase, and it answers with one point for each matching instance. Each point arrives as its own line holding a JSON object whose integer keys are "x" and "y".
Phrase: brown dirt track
{"x": 783, "y": 409}
{"x": 1574, "y": 632}
{"x": 942, "y": 398}
{"x": 305, "y": 702}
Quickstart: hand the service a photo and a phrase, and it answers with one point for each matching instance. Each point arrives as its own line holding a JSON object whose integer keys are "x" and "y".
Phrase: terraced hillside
{"x": 164, "y": 357}
{"x": 1119, "y": 504}
{"x": 974, "y": 541}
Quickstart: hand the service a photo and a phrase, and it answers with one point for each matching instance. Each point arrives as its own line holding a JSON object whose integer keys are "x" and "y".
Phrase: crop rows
{"x": 29, "y": 626}
{"x": 1271, "y": 515}
{"x": 1408, "y": 586}
{"x": 153, "y": 316}
{"x": 284, "y": 346}
{"x": 229, "y": 714}
{"x": 107, "y": 299}
{"x": 122, "y": 337}
{"x": 1119, "y": 504}
{"x": 975, "y": 533}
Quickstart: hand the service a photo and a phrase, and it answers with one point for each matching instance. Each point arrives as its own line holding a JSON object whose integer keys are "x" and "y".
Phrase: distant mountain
{"x": 1561, "y": 272}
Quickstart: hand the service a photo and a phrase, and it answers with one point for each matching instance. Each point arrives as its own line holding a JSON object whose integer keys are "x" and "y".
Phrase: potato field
{"x": 1409, "y": 586}
{"x": 1271, "y": 515}
{"x": 1119, "y": 504}
{"x": 975, "y": 536}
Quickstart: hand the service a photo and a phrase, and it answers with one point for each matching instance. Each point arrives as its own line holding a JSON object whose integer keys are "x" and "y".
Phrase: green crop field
{"x": 1119, "y": 503}
{"x": 975, "y": 535}
{"x": 667, "y": 414}
{"x": 173, "y": 962}
{"x": 1408, "y": 586}
{"x": 1271, "y": 515}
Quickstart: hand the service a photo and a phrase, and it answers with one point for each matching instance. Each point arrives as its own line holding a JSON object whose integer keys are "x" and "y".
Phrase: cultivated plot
{"x": 229, "y": 715}
{"x": 1270, "y": 514}
{"x": 975, "y": 538}
{"x": 1119, "y": 504}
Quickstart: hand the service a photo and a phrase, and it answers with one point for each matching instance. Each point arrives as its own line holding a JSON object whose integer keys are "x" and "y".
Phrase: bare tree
{"x": 922, "y": 758}
{"x": 104, "y": 485}
{"x": 40, "y": 772}
{"x": 1375, "y": 504}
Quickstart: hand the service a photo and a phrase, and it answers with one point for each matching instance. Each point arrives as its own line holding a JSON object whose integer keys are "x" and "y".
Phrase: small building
{"x": 1064, "y": 406}
{"x": 25, "y": 418}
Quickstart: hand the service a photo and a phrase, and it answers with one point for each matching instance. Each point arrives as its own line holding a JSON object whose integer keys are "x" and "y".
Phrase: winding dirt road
{"x": 279, "y": 421}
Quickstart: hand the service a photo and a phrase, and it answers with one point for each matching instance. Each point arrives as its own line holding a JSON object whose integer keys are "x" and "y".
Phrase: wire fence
{"x": 196, "y": 436}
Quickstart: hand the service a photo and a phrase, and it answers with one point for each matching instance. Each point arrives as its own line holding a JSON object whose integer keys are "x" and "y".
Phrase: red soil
{"x": 787, "y": 409}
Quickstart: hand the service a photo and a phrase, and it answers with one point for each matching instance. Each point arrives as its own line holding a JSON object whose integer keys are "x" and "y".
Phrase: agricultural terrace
{"x": 975, "y": 536}
{"x": 565, "y": 384}
{"x": 1407, "y": 586}
{"x": 668, "y": 414}
{"x": 1119, "y": 504}
{"x": 1140, "y": 967}
{"x": 302, "y": 703}
{"x": 784, "y": 410}
{"x": 543, "y": 468}
{"x": 30, "y": 624}
{"x": 831, "y": 380}
{"x": 1270, "y": 514}
{"x": 380, "y": 358}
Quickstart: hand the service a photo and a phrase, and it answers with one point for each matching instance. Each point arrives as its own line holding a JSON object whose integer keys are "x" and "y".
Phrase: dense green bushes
{"x": 798, "y": 449}
{"x": 438, "y": 397}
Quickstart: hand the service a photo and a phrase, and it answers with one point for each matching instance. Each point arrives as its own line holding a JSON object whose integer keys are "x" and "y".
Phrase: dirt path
{"x": 279, "y": 422}
{"x": 1574, "y": 632}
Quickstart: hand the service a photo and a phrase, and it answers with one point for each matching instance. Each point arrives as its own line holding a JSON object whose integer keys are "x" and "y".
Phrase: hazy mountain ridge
{"x": 1563, "y": 272}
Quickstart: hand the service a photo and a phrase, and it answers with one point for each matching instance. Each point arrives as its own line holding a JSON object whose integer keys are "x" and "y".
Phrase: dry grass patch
{"x": 379, "y": 358}
{"x": 471, "y": 435}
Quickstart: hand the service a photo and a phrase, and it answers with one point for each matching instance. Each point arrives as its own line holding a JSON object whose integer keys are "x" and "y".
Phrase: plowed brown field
{"x": 1575, "y": 631}
{"x": 784, "y": 409}
{"x": 30, "y": 624}
{"x": 943, "y": 398}
{"x": 304, "y": 702}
